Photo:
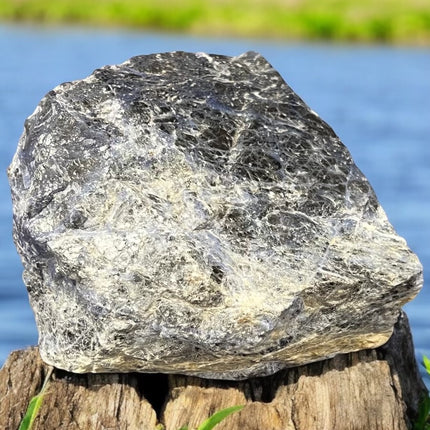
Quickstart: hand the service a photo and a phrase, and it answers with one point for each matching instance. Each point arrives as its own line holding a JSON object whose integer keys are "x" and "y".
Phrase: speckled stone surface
{"x": 188, "y": 213}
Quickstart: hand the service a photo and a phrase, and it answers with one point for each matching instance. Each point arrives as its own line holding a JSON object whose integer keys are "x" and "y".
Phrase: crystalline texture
{"x": 188, "y": 213}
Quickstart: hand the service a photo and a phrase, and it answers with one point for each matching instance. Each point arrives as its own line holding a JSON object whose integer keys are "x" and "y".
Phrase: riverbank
{"x": 387, "y": 21}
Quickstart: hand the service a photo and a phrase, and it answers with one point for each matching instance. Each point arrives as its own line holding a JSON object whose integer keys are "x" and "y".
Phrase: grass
{"x": 390, "y": 21}
{"x": 216, "y": 418}
{"x": 423, "y": 419}
{"x": 35, "y": 404}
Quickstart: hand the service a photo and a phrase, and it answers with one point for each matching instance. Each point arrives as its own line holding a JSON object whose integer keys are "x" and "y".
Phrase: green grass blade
{"x": 34, "y": 405}
{"x": 31, "y": 414}
{"x": 423, "y": 412}
{"x": 217, "y": 417}
{"x": 426, "y": 363}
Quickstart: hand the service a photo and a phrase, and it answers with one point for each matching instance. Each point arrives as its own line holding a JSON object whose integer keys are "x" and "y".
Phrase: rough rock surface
{"x": 188, "y": 213}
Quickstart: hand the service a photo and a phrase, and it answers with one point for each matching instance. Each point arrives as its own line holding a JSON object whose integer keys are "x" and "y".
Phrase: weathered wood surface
{"x": 370, "y": 390}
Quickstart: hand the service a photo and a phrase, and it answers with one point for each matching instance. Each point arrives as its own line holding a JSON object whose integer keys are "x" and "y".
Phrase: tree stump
{"x": 376, "y": 389}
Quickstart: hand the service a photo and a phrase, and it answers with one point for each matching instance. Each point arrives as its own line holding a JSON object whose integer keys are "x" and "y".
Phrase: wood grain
{"x": 375, "y": 389}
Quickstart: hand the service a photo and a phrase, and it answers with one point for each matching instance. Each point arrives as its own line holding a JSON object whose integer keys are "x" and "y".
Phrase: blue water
{"x": 376, "y": 98}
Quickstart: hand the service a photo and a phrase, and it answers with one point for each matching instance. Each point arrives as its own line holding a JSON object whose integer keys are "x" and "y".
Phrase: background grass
{"x": 391, "y": 21}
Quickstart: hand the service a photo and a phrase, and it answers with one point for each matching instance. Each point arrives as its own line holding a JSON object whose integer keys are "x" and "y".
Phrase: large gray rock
{"x": 188, "y": 213}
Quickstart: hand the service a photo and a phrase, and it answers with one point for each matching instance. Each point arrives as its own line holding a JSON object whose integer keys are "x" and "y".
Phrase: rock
{"x": 188, "y": 213}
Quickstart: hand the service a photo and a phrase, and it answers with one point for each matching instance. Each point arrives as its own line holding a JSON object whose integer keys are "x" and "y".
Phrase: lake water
{"x": 376, "y": 98}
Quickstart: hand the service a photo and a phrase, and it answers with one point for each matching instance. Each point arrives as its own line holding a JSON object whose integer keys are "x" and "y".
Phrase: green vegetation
{"x": 216, "y": 418}
{"x": 391, "y": 21}
{"x": 34, "y": 405}
{"x": 423, "y": 419}
{"x": 213, "y": 420}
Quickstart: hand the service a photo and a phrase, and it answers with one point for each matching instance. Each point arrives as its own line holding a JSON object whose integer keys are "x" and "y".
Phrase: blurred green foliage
{"x": 423, "y": 420}
{"x": 391, "y": 21}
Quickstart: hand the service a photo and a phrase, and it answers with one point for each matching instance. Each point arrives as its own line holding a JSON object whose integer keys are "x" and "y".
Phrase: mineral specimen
{"x": 188, "y": 213}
